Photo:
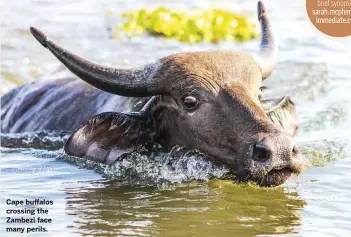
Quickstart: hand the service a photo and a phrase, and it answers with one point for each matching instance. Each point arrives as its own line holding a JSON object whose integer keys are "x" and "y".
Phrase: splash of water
{"x": 178, "y": 165}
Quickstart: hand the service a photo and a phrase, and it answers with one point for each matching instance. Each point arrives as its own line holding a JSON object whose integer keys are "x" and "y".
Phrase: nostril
{"x": 295, "y": 150}
{"x": 261, "y": 152}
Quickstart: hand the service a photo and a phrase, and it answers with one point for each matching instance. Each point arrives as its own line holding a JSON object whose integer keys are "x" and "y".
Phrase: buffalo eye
{"x": 190, "y": 102}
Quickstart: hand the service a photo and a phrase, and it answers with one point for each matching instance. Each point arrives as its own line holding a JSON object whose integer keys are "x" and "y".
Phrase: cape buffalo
{"x": 207, "y": 100}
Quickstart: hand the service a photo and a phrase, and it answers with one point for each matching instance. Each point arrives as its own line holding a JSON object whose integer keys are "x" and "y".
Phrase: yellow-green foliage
{"x": 192, "y": 26}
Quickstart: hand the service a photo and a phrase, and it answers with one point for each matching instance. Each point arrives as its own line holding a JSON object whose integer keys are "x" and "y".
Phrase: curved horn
{"x": 125, "y": 82}
{"x": 268, "y": 51}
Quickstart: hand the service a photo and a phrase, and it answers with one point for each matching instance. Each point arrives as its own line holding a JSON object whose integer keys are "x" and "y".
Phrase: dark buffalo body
{"x": 63, "y": 103}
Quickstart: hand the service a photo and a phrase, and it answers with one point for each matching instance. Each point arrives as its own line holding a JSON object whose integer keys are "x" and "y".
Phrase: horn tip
{"x": 40, "y": 36}
{"x": 261, "y": 10}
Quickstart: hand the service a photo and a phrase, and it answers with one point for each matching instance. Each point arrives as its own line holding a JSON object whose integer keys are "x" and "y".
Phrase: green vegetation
{"x": 324, "y": 152}
{"x": 11, "y": 77}
{"x": 191, "y": 26}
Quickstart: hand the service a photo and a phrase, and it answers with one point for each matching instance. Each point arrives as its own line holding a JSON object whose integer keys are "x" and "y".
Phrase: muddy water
{"x": 95, "y": 200}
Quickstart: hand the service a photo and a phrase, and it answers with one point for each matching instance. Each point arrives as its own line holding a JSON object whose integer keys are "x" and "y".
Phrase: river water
{"x": 96, "y": 201}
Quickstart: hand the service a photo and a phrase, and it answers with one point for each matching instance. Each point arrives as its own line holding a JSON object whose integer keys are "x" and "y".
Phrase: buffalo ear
{"x": 107, "y": 136}
{"x": 282, "y": 113}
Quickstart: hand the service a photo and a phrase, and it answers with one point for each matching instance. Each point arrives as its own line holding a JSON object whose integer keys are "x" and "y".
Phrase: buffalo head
{"x": 202, "y": 100}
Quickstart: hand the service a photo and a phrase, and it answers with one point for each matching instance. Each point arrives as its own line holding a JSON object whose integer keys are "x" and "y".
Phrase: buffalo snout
{"x": 273, "y": 159}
